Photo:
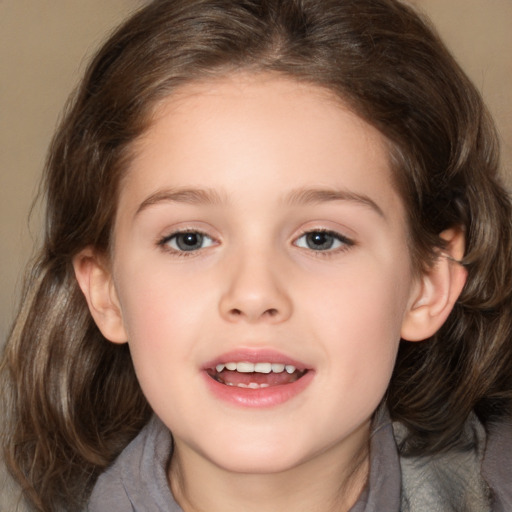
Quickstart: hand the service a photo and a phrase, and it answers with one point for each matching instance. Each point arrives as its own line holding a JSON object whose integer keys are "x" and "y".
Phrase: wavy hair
{"x": 71, "y": 399}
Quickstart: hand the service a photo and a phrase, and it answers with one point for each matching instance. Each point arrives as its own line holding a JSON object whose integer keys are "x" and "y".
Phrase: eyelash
{"x": 164, "y": 242}
{"x": 345, "y": 242}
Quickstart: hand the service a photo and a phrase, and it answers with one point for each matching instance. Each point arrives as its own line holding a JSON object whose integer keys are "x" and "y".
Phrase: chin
{"x": 258, "y": 464}
{"x": 259, "y": 457}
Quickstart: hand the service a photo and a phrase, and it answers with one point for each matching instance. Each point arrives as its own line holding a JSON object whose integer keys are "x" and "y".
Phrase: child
{"x": 274, "y": 231}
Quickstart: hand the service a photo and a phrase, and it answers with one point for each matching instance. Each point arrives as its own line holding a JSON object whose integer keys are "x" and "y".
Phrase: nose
{"x": 255, "y": 291}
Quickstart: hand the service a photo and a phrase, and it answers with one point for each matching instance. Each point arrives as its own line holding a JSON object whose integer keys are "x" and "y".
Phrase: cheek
{"x": 161, "y": 320}
{"x": 358, "y": 319}
{"x": 153, "y": 297}
{"x": 162, "y": 316}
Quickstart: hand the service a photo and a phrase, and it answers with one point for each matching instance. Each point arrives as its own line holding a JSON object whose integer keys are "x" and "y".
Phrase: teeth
{"x": 263, "y": 367}
{"x": 251, "y": 385}
{"x": 255, "y": 385}
{"x": 246, "y": 367}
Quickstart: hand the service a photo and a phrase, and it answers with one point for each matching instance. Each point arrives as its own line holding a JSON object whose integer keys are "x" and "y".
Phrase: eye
{"x": 321, "y": 240}
{"x": 186, "y": 241}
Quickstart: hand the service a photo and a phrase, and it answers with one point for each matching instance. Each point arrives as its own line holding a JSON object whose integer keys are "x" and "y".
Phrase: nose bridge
{"x": 255, "y": 289}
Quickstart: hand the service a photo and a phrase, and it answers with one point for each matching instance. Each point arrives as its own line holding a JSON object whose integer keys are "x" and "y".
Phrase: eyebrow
{"x": 182, "y": 195}
{"x": 305, "y": 196}
{"x": 298, "y": 197}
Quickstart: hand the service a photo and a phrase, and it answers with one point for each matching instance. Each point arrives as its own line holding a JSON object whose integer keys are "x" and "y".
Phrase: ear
{"x": 437, "y": 291}
{"x": 95, "y": 279}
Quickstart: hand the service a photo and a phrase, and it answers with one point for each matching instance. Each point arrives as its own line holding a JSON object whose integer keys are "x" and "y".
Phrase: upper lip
{"x": 255, "y": 356}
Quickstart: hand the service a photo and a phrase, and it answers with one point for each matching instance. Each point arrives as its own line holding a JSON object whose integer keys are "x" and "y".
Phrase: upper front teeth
{"x": 245, "y": 367}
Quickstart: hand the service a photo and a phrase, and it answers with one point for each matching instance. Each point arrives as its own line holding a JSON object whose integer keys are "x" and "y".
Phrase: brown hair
{"x": 72, "y": 399}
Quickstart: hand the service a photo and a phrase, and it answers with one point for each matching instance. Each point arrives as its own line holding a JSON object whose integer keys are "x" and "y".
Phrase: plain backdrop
{"x": 44, "y": 45}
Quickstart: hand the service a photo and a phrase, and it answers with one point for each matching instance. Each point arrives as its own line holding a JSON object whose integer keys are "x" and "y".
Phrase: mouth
{"x": 259, "y": 375}
{"x": 256, "y": 378}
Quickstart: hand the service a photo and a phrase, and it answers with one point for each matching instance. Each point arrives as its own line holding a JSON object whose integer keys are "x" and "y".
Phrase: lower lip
{"x": 258, "y": 398}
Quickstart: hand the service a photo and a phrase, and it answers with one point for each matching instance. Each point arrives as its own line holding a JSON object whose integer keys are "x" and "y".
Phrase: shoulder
{"x": 497, "y": 464}
{"x": 474, "y": 477}
{"x": 137, "y": 480}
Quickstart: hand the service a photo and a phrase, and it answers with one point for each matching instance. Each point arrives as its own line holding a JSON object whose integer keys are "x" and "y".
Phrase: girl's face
{"x": 262, "y": 272}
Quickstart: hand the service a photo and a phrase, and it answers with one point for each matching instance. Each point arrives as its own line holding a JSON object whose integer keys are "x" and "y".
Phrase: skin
{"x": 248, "y": 147}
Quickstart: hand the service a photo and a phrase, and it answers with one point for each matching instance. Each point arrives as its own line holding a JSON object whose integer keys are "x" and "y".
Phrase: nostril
{"x": 271, "y": 312}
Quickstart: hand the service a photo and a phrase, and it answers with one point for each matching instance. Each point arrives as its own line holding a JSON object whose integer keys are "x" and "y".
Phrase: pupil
{"x": 189, "y": 241}
{"x": 319, "y": 240}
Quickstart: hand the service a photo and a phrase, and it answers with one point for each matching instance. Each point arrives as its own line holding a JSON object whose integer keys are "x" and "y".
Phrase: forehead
{"x": 248, "y": 135}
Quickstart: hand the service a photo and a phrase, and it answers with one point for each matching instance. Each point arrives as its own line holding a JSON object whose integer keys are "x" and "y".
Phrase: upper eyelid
{"x": 333, "y": 232}
{"x": 164, "y": 243}
{"x": 346, "y": 243}
{"x": 346, "y": 239}
{"x": 183, "y": 230}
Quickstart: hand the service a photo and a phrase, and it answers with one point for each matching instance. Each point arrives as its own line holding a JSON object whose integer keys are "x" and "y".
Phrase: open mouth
{"x": 259, "y": 375}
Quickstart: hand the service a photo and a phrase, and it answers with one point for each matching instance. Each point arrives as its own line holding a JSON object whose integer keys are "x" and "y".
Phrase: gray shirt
{"x": 476, "y": 479}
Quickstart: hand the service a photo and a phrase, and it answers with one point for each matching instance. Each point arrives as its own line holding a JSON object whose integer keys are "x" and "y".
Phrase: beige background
{"x": 43, "y": 47}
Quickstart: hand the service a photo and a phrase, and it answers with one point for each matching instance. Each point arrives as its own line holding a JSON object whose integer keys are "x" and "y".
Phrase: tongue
{"x": 272, "y": 379}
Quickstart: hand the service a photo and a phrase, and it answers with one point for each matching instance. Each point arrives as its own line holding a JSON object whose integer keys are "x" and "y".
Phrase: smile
{"x": 260, "y": 375}
{"x": 256, "y": 380}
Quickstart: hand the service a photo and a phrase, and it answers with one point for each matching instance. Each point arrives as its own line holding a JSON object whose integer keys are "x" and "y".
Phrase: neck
{"x": 330, "y": 482}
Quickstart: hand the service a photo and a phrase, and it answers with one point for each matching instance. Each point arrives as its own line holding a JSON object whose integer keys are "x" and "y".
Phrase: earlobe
{"x": 437, "y": 291}
{"x": 95, "y": 281}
